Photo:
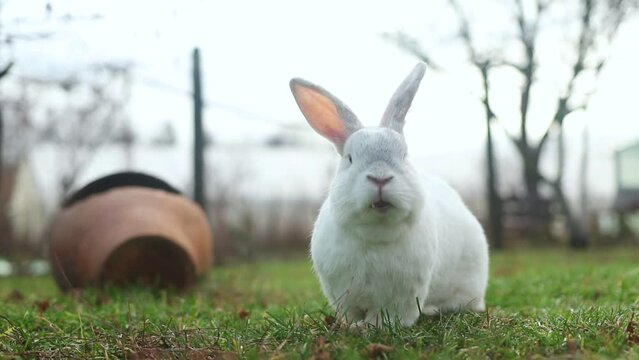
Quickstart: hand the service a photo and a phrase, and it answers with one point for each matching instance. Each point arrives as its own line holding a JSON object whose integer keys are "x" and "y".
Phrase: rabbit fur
{"x": 389, "y": 244}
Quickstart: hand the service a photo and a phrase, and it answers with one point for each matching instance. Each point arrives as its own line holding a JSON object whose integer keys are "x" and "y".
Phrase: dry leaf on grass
{"x": 631, "y": 331}
{"x": 329, "y": 320}
{"x": 243, "y": 313}
{"x": 320, "y": 349}
{"x": 571, "y": 345}
{"x": 375, "y": 350}
{"x": 42, "y": 305}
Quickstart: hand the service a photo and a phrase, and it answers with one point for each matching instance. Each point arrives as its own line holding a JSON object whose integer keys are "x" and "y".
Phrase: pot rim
{"x": 116, "y": 180}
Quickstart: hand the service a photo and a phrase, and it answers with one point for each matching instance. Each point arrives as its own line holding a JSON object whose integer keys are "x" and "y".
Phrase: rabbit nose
{"x": 379, "y": 182}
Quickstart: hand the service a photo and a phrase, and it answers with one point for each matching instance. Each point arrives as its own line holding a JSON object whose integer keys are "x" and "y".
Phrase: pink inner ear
{"x": 321, "y": 113}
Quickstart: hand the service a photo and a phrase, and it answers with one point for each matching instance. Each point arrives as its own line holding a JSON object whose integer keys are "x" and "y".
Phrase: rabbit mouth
{"x": 381, "y": 205}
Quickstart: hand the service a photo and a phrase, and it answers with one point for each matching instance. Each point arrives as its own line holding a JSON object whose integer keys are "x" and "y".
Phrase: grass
{"x": 542, "y": 304}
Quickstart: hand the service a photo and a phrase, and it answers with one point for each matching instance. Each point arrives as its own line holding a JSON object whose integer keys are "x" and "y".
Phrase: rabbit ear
{"x": 400, "y": 102}
{"x": 326, "y": 113}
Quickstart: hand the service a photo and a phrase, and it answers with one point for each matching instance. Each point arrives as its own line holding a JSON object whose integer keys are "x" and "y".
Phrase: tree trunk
{"x": 3, "y": 73}
{"x": 534, "y": 202}
{"x": 495, "y": 212}
{"x": 583, "y": 178}
{"x": 1, "y": 143}
{"x": 495, "y": 208}
{"x": 576, "y": 234}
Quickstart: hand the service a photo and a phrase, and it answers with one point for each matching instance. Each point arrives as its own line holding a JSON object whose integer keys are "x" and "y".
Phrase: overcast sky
{"x": 251, "y": 49}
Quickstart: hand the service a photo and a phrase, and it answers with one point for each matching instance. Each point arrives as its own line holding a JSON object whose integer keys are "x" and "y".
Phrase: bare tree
{"x": 18, "y": 120}
{"x": 4, "y": 70}
{"x": 13, "y": 36}
{"x": 80, "y": 128}
{"x": 597, "y": 23}
{"x": 3, "y": 73}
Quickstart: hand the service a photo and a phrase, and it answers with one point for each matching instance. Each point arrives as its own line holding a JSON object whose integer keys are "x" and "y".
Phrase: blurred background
{"x": 528, "y": 109}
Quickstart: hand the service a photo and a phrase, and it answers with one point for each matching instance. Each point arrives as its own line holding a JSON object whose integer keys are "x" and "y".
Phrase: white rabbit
{"x": 387, "y": 243}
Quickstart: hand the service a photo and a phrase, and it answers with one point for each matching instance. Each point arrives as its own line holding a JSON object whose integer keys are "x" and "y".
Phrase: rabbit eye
{"x": 350, "y": 159}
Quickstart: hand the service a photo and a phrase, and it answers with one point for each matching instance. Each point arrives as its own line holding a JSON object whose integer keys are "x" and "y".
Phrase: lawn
{"x": 542, "y": 303}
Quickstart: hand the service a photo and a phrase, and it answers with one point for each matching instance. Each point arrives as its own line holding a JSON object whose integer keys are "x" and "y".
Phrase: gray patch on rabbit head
{"x": 380, "y": 153}
{"x": 375, "y": 144}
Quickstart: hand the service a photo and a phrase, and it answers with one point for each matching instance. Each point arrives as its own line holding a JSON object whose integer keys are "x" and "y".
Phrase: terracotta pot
{"x": 129, "y": 228}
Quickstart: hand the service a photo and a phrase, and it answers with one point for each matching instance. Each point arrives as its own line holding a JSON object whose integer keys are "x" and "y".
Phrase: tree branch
{"x": 584, "y": 44}
{"x": 527, "y": 37}
{"x": 510, "y": 64}
{"x": 484, "y": 66}
{"x": 411, "y": 46}
{"x": 6, "y": 70}
{"x": 464, "y": 33}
